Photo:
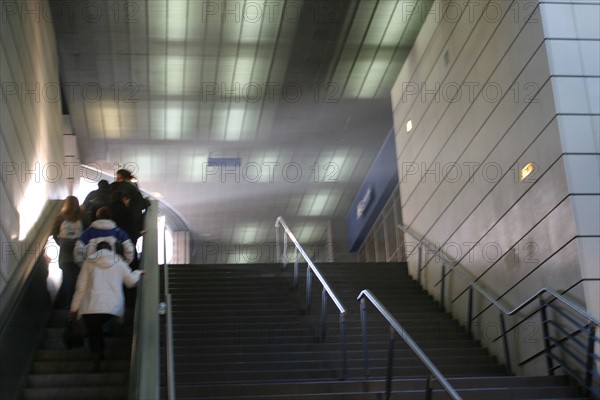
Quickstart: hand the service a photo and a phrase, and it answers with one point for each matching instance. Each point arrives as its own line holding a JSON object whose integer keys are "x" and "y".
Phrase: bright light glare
{"x": 162, "y": 235}
{"x": 54, "y": 279}
{"x": 30, "y": 208}
{"x": 85, "y": 187}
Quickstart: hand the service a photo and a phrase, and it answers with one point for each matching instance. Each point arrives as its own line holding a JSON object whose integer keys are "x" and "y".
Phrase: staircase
{"x": 241, "y": 333}
{"x": 61, "y": 374}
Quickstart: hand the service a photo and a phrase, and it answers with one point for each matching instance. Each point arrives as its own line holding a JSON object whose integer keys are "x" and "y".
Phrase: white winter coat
{"x": 99, "y": 288}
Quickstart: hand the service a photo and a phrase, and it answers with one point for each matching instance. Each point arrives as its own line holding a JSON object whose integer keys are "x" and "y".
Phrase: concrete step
{"x": 58, "y": 373}
{"x": 327, "y": 372}
{"x": 76, "y": 393}
{"x": 81, "y": 354}
{"x": 189, "y": 356}
{"x": 413, "y": 388}
{"x": 308, "y": 336}
{"x": 375, "y": 363}
{"x": 82, "y": 379}
{"x": 240, "y": 332}
{"x": 70, "y": 367}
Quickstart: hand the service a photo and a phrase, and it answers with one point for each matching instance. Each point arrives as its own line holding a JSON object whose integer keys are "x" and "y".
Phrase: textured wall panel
{"x": 531, "y": 102}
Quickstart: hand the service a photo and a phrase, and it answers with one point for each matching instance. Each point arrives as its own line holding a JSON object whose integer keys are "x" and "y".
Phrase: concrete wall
{"x": 572, "y": 35}
{"x": 484, "y": 102}
{"x": 31, "y": 144}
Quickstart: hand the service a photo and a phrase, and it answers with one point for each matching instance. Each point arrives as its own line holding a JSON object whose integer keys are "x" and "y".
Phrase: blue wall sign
{"x": 375, "y": 191}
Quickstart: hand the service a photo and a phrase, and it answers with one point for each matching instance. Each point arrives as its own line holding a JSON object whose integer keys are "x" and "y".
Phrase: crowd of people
{"x": 98, "y": 256}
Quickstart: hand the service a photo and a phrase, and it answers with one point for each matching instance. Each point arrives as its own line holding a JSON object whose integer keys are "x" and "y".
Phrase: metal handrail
{"x": 593, "y": 322}
{"x": 135, "y": 350}
{"x": 326, "y": 288}
{"x": 29, "y": 251}
{"x": 169, "y": 331}
{"x": 312, "y": 266}
{"x": 144, "y": 377}
{"x": 488, "y": 296}
{"x": 396, "y": 327}
{"x": 531, "y": 314}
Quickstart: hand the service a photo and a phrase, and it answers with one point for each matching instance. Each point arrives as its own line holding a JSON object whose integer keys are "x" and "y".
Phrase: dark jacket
{"x": 94, "y": 200}
{"x": 131, "y": 217}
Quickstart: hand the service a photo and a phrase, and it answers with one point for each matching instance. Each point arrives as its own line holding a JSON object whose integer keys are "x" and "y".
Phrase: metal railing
{"x": 169, "y": 323}
{"x": 395, "y": 327}
{"x": 19, "y": 334}
{"x": 589, "y": 328}
{"x": 29, "y": 251}
{"x": 144, "y": 374}
{"x": 310, "y": 270}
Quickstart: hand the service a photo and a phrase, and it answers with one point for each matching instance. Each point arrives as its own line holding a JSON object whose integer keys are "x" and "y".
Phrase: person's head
{"x": 103, "y": 184}
{"x": 103, "y": 245}
{"x": 70, "y": 203}
{"x": 103, "y": 213}
{"x": 123, "y": 175}
{"x": 70, "y": 208}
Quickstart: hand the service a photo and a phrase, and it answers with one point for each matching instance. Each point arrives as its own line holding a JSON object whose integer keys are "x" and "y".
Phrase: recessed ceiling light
{"x": 156, "y": 195}
{"x": 409, "y": 126}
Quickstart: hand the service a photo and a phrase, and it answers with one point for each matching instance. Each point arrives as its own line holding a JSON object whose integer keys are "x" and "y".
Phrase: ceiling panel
{"x": 299, "y": 90}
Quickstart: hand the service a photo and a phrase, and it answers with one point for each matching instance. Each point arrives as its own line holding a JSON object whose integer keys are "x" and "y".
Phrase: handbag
{"x": 73, "y": 334}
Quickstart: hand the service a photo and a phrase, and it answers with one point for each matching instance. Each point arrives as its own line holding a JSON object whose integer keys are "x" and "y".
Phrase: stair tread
{"x": 258, "y": 338}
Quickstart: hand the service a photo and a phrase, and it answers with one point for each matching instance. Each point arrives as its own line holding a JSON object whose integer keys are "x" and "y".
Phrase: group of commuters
{"x": 98, "y": 256}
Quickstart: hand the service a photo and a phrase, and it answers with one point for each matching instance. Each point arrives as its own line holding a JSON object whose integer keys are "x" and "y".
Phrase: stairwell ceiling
{"x": 298, "y": 90}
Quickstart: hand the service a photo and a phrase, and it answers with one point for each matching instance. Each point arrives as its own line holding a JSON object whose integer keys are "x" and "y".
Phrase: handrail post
{"x": 323, "y": 315}
{"x": 546, "y": 318}
{"x": 363, "y": 323}
{"x": 470, "y": 313}
{"x": 419, "y": 262}
{"x": 326, "y": 289}
{"x": 343, "y": 343}
{"x": 170, "y": 354}
{"x": 390, "y": 364}
{"x": 590, "y": 358}
{"x": 505, "y": 344}
{"x": 443, "y": 286}
{"x": 295, "y": 268}
{"x": 284, "y": 254}
{"x": 394, "y": 327}
{"x": 277, "y": 249}
{"x": 308, "y": 289}
{"x": 546, "y": 334}
{"x": 428, "y": 387}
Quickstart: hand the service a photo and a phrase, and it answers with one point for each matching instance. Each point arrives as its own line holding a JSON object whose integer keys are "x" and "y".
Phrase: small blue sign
{"x": 375, "y": 191}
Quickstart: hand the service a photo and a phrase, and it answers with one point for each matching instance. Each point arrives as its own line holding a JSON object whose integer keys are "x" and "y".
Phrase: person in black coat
{"x": 128, "y": 206}
{"x": 96, "y": 199}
